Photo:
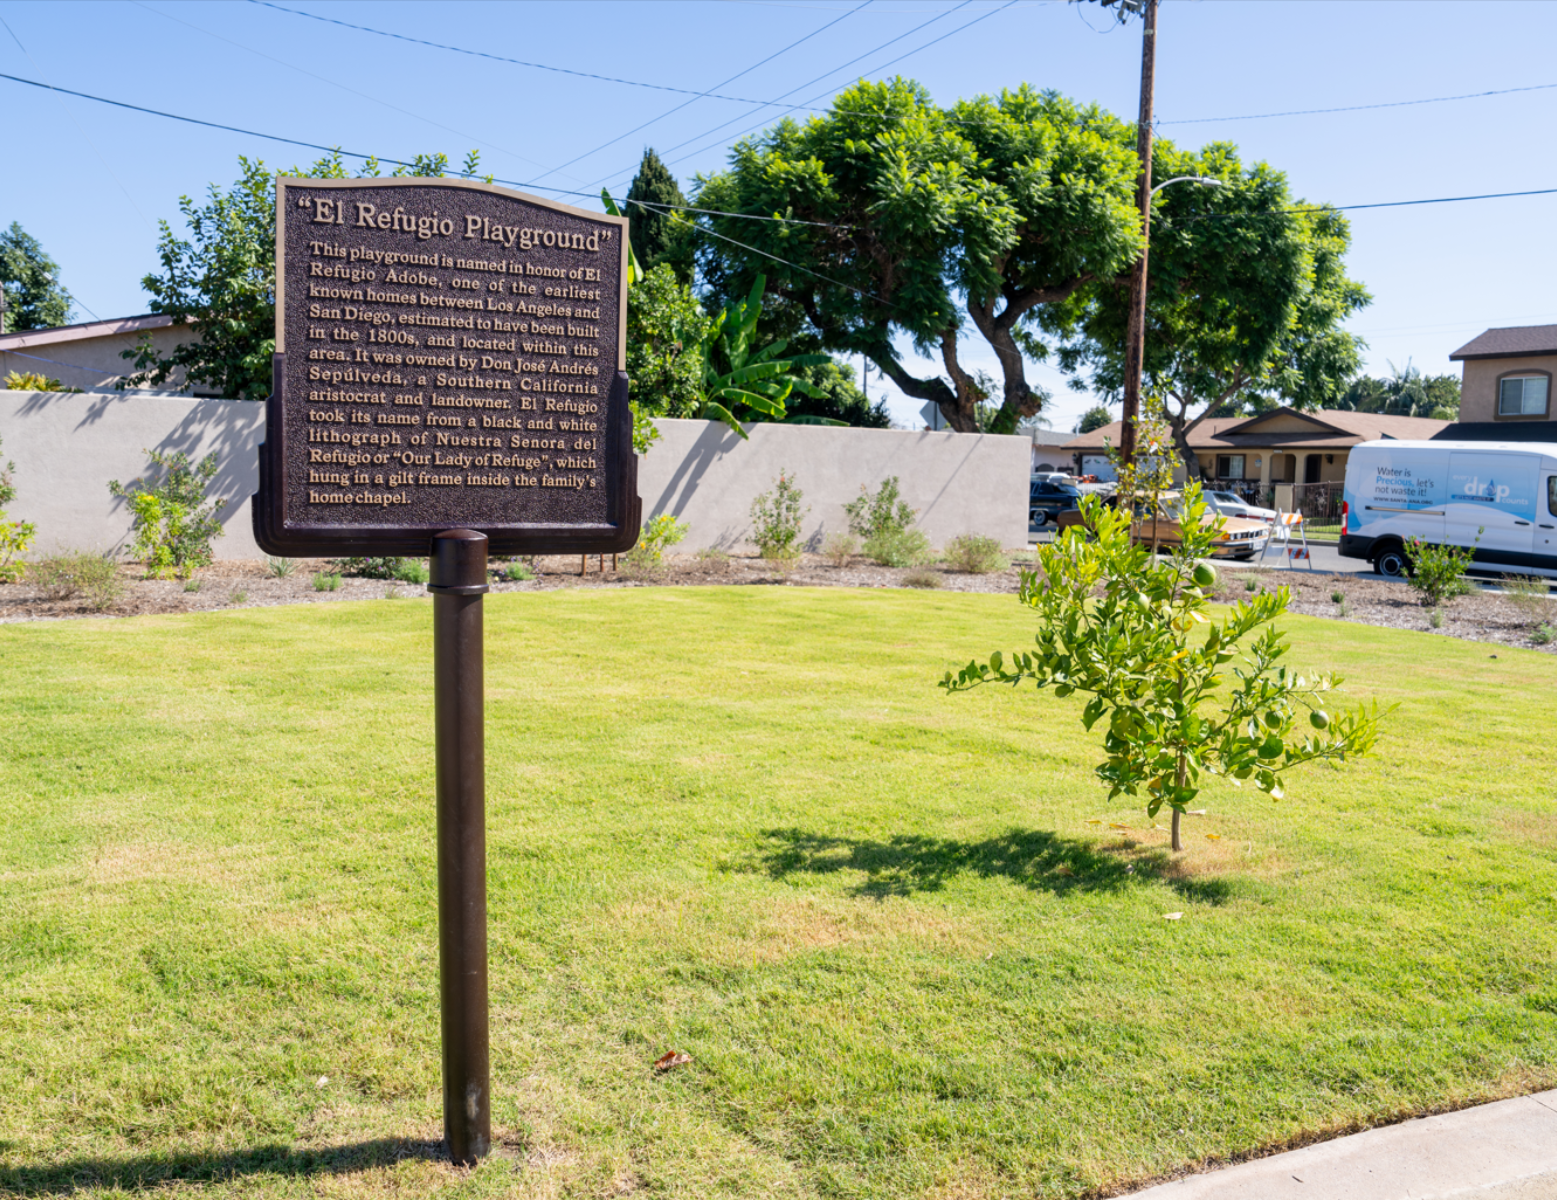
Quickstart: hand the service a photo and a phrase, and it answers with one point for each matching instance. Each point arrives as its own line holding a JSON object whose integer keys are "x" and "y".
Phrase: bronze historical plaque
{"x": 449, "y": 354}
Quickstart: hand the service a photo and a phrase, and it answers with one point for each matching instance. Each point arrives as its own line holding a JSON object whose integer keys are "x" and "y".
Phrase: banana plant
{"x": 759, "y": 381}
{"x": 634, "y": 271}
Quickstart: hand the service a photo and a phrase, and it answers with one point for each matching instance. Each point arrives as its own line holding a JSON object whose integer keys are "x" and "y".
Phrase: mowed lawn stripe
{"x": 911, "y": 946}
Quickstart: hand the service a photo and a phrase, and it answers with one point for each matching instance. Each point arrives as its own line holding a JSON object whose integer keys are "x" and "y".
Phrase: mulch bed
{"x": 1481, "y": 616}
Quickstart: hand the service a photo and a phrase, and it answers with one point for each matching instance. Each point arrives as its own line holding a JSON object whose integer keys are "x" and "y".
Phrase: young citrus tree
{"x": 1134, "y": 633}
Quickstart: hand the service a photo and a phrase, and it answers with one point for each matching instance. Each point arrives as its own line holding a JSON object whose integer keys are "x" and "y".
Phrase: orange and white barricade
{"x": 1288, "y": 529}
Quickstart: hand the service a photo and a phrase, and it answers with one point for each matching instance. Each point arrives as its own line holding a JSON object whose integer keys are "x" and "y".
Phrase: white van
{"x": 1500, "y": 497}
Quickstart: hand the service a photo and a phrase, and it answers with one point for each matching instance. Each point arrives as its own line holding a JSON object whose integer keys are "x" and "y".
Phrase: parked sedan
{"x": 1230, "y": 504}
{"x": 1239, "y": 537}
{"x": 1046, "y": 500}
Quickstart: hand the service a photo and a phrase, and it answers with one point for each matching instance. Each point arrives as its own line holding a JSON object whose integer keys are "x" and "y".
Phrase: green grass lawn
{"x": 899, "y": 932}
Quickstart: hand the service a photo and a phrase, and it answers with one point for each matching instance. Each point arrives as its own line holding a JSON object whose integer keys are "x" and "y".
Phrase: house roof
{"x": 77, "y": 333}
{"x": 1515, "y": 341}
{"x": 1328, "y": 428}
{"x": 1050, "y": 437}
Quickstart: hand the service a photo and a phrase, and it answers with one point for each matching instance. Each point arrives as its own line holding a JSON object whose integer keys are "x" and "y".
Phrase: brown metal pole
{"x": 458, "y": 579}
{"x": 1135, "y": 333}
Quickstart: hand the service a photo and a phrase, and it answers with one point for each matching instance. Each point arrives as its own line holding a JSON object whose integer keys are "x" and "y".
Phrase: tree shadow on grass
{"x": 156, "y": 1171}
{"x": 1037, "y": 859}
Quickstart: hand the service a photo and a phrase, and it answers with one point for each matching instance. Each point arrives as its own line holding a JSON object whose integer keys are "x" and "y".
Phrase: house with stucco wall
{"x": 89, "y": 356}
{"x": 1506, "y": 389}
{"x": 1280, "y": 446}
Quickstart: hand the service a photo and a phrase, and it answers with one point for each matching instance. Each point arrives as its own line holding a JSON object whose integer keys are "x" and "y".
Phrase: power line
{"x": 806, "y": 84}
{"x": 876, "y": 70}
{"x": 396, "y": 162}
{"x": 518, "y": 62}
{"x": 716, "y": 212}
{"x": 1309, "y": 112}
{"x": 71, "y": 117}
{"x": 336, "y": 83}
{"x": 701, "y": 95}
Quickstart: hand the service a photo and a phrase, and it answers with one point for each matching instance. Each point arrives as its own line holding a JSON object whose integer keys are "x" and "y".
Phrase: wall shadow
{"x": 1037, "y": 859}
{"x": 146, "y": 1172}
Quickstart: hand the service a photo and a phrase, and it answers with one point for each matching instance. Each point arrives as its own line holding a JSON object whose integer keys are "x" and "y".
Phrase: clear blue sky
{"x": 90, "y": 182}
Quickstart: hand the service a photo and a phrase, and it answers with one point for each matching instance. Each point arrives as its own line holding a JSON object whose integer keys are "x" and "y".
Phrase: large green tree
{"x": 939, "y": 224}
{"x": 1245, "y": 307}
{"x": 658, "y": 228}
{"x": 220, "y": 282}
{"x": 977, "y": 221}
{"x": 34, "y": 298}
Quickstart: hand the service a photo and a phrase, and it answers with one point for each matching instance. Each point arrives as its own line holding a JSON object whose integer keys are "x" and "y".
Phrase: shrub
{"x": 381, "y": 567}
{"x": 280, "y": 567}
{"x": 517, "y": 572}
{"x": 658, "y": 535}
{"x": 884, "y": 522}
{"x": 775, "y": 520}
{"x": 923, "y": 577}
{"x": 975, "y": 555}
{"x": 1135, "y": 632}
{"x": 1436, "y": 570}
{"x": 238, "y": 596}
{"x": 324, "y": 581}
{"x": 35, "y": 381}
{"x": 94, "y": 577}
{"x": 412, "y": 570}
{"x": 1530, "y": 594}
{"x": 174, "y": 521}
{"x": 839, "y": 548}
{"x": 1250, "y": 584}
{"x": 1337, "y": 597}
{"x": 1435, "y": 618}
{"x": 885, "y": 512}
{"x": 899, "y": 548}
{"x": 191, "y": 585}
{"x": 15, "y": 536}
{"x": 712, "y": 558}
{"x": 1543, "y": 634}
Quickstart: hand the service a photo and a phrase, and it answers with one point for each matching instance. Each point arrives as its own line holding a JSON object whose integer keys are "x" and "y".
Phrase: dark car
{"x": 1046, "y": 500}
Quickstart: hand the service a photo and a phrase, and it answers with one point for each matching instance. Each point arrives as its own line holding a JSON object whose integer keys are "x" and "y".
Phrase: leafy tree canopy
{"x": 1009, "y": 218}
{"x": 1406, "y": 393}
{"x": 1094, "y": 418}
{"x": 1245, "y": 303}
{"x": 665, "y": 329}
{"x": 220, "y": 283}
{"x": 929, "y": 222}
{"x": 34, "y": 298}
{"x": 658, "y": 232}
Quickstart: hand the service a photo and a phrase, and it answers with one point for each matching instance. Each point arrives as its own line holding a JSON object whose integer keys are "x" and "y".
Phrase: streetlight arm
{"x": 1205, "y": 179}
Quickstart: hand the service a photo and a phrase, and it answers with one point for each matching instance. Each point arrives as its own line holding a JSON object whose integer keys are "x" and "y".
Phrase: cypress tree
{"x": 656, "y": 235}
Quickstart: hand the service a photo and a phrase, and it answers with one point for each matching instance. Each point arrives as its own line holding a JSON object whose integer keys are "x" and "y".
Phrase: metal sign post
{"x": 458, "y": 581}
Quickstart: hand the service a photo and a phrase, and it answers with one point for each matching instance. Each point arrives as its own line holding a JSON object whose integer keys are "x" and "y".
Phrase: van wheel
{"x": 1037, "y": 518}
{"x": 1392, "y": 563}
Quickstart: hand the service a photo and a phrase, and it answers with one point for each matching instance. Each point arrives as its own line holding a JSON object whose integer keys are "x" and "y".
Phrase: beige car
{"x": 1238, "y": 538}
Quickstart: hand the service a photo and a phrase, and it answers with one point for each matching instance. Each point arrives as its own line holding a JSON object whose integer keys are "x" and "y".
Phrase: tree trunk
{"x": 1178, "y": 842}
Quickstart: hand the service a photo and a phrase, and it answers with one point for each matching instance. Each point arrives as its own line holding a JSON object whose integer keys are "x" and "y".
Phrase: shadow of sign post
{"x": 448, "y": 380}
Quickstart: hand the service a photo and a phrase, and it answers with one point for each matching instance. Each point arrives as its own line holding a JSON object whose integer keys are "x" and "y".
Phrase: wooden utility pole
{"x": 1135, "y": 333}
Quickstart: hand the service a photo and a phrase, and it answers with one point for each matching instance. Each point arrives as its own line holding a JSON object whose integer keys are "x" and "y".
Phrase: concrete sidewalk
{"x": 1502, "y": 1151}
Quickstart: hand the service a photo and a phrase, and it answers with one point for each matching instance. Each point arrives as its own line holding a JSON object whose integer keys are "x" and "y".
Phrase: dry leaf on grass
{"x": 1214, "y": 837}
{"x": 1171, "y": 916}
{"x": 671, "y": 1058}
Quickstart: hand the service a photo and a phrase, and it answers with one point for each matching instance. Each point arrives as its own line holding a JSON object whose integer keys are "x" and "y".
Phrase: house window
{"x": 1229, "y": 466}
{"x": 1523, "y": 395}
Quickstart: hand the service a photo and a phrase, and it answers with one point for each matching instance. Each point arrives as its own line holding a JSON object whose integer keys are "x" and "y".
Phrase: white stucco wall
{"x": 702, "y": 473}
{"x": 67, "y": 447}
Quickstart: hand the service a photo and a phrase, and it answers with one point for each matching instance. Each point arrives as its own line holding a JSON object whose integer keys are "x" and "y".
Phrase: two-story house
{"x": 1506, "y": 390}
